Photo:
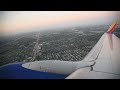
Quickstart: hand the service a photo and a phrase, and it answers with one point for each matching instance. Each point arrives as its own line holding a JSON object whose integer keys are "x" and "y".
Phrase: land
{"x": 68, "y": 44}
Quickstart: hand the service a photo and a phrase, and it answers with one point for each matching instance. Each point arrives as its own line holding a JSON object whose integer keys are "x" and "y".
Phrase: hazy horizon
{"x": 27, "y": 21}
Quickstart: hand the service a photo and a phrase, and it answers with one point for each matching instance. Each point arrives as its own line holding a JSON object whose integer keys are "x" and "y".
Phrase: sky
{"x": 23, "y": 21}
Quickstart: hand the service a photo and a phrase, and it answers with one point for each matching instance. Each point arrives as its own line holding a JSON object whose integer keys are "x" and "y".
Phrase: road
{"x": 36, "y": 48}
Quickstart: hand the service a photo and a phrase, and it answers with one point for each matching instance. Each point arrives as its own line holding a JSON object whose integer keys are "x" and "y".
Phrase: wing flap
{"x": 101, "y": 75}
{"x": 80, "y": 73}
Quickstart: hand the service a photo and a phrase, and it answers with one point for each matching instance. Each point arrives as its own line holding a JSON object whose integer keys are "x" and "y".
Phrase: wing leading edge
{"x": 105, "y": 55}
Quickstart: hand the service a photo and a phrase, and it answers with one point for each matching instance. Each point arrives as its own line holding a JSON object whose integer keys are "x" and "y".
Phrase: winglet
{"x": 111, "y": 29}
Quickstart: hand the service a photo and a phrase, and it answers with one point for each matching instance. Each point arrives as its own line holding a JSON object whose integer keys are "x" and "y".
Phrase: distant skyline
{"x": 22, "y": 21}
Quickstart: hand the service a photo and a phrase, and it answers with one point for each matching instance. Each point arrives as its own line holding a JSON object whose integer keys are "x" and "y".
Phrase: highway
{"x": 35, "y": 49}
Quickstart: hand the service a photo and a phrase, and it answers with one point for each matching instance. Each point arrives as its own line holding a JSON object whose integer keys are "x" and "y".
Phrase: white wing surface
{"x": 105, "y": 55}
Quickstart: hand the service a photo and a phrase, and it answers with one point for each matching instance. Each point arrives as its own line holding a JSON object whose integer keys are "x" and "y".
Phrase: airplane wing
{"x": 103, "y": 62}
{"x": 106, "y": 58}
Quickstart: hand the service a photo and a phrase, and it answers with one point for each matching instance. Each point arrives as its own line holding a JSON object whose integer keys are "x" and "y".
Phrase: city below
{"x": 67, "y": 44}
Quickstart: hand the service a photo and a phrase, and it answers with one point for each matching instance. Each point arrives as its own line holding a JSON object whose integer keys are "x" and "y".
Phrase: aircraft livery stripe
{"x": 112, "y": 27}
